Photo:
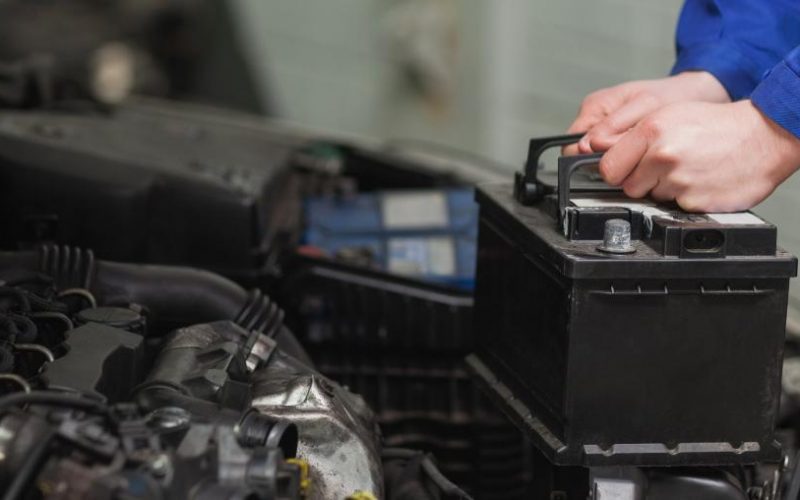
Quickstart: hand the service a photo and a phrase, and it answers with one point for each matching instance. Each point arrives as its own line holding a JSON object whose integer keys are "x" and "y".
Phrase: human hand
{"x": 608, "y": 113}
{"x": 706, "y": 157}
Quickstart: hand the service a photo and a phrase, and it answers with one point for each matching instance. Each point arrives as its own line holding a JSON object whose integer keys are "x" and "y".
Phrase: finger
{"x": 579, "y": 126}
{"x": 574, "y": 149}
{"x": 650, "y": 176}
{"x": 588, "y": 116}
{"x": 607, "y": 132}
{"x": 584, "y": 145}
{"x": 644, "y": 178}
{"x": 622, "y": 158}
{"x": 594, "y": 109}
{"x": 663, "y": 192}
{"x": 696, "y": 202}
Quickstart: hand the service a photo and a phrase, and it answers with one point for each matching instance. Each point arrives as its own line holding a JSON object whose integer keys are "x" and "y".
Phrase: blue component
{"x": 751, "y": 47}
{"x": 425, "y": 234}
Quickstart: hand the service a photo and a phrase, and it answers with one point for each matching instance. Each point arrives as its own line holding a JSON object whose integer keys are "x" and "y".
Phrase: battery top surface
{"x": 668, "y": 243}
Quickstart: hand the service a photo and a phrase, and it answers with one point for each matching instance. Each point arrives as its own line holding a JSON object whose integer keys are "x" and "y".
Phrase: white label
{"x": 414, "y": 210}
{"x": 646, "y": 207}
{"x": 442, "y": 256}
{"x": 418, "y": 256}
{"x": 651, "y": 209}
{"x": 738, "y": 218}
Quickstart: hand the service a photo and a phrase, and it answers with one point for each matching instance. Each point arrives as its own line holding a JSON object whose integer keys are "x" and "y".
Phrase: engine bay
{"x": 197, "y": 305}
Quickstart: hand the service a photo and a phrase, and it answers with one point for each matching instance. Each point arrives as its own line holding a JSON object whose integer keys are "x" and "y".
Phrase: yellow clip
{"x": 362, "y": 495}
{"x": 305, "y": 480}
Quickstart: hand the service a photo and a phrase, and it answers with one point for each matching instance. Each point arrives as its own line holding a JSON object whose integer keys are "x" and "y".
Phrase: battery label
{"x": 422, "y": 256}
{"x": 414, "y": 210}
{"x": 646, "y": 207}
{"x": 652, "y": 209}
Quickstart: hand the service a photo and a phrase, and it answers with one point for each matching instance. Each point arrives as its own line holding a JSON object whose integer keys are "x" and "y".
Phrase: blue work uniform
{"x": 751, "y": 46}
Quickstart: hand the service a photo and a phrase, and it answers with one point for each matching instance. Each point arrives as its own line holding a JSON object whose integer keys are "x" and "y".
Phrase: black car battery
{"x": 661, "y": 349}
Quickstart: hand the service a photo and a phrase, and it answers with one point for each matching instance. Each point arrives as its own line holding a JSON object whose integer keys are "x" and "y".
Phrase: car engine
{"x": 132, "y": 381}
{"x": 153, "y": 362}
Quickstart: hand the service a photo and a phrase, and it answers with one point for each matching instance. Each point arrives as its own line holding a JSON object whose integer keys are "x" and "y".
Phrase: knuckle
{"x": 608, "y": 171}
{"x": 661, "y": 195}
{"x": 597, "y": 142}
{"x": 649, "y": 100}
{"x": 651, "y": 127}
{"x": 596, "y": 102}
{"x": 679, "y": 180}
{"x": 611, "y": 124}
{"x": 665, "y": 154}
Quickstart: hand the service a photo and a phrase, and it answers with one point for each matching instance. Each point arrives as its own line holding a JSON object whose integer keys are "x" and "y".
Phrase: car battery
{"x": 665, "y": 349}
{"x": 430, "y": 235}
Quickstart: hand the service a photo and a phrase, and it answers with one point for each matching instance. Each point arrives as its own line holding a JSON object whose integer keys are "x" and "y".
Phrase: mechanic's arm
{"x": 714, "y": 157}
{"x": 724, "y": 47}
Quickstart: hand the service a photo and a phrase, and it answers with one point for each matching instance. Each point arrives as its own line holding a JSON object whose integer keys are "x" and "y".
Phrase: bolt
{"x": 160, "y": 466}
{"x": 617, "y": 237}
{"x": 92, "y": 432}
{"x": 169, "y": 418}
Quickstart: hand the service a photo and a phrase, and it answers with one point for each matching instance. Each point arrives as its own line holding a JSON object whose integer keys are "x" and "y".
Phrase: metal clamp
{"x": 527, "y": 189}
{"x": 567, "y": 165}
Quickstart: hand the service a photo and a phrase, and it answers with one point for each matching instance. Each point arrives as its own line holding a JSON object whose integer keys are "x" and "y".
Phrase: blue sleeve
{"x": 737, "y": 41}
{"x": 778, "y": 96}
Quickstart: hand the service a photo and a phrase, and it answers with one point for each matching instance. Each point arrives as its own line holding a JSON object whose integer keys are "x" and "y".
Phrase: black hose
{"x": 6, "y": 358}
{"x": 173, "y": 295}
{"x": 170, "y": 292}
{"x": 28, "y": 469}
{"x": 41, "y": 304}
{"x": 50, "y": 398}
{"x": 18, "y": 294}
{"x": 8, "y": 329}
{"x": 26, "y": 330}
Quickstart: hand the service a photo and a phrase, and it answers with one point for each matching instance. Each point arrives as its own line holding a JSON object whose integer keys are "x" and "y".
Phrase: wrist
{"x": 780, "y": 144}
{"x": 702, "y": 86}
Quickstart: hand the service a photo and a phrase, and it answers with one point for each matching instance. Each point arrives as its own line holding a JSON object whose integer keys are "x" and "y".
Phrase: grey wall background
{"x": 512, "y": 69}
{"x": 519, "y": 67}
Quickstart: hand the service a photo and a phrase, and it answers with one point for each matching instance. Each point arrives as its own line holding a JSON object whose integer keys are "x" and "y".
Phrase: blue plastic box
{"x": 424, "y": 234}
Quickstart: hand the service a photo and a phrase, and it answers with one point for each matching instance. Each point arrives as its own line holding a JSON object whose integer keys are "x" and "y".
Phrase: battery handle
{"x": 527, "y": 188}
{"x": 568, "y": 165}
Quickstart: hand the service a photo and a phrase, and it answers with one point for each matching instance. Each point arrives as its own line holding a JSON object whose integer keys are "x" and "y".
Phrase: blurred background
{"x": 478, "y": 76}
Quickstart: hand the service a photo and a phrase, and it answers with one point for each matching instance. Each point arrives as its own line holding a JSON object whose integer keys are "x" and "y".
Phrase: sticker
{"x": 737, "y": 218}
{"x": 646, "y": 207}
{"x": 422, "y": 256}
{"x": 651, "y": 209}
{"x": 415, "y": 209}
